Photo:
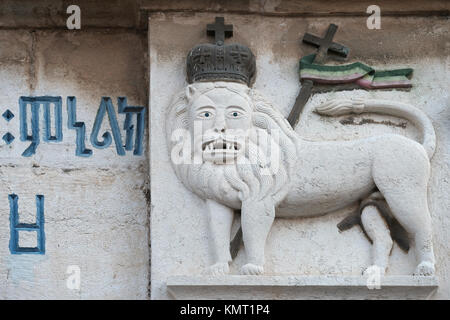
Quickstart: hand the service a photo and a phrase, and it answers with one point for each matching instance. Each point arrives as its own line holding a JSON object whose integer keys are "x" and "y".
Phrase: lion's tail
{"x": 393, "y": 108}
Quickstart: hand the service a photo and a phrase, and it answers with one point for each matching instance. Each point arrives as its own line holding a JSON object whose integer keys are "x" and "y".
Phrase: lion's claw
{"x": 252, "y": 269}
{"x": 219, "y": 269}
{"x": 425, "y": 268}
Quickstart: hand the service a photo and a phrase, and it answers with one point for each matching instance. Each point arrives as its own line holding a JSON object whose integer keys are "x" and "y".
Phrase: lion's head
{"x": 229, "y": 144}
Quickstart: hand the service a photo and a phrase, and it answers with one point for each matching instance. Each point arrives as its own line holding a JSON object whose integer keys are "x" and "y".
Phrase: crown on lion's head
{"x": 226, "y": 141}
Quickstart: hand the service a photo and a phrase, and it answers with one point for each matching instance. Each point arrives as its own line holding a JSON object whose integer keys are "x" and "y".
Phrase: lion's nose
{"x": 219, "y": 124}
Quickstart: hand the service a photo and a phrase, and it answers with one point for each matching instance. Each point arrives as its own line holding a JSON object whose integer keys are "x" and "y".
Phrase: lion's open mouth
{"x": 220, "y": 150}
{"x": 220, "y": 144}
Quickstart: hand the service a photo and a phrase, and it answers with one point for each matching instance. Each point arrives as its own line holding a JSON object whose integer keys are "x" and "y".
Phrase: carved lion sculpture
{"x": 222, "y": 156}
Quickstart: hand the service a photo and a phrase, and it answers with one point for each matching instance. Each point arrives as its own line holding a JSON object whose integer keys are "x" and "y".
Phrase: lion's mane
{"x": 233, "y": 184}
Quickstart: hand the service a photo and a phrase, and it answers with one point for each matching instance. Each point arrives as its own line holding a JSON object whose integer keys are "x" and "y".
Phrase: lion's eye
{"x": 205, "y": 115}
{"x": 235, "y": 114}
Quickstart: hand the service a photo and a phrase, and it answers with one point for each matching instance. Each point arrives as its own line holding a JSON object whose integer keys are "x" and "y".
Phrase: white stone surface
{"x": 179, "y": 234}
{"x": 299, "y": 287}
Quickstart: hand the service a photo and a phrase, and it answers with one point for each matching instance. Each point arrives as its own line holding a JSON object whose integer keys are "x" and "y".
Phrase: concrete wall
{"x": 96, "y": 208}
{"x": 133, "y": 14}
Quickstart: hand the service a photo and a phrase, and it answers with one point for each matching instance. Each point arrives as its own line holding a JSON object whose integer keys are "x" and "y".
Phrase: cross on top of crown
{"x": 219, "y": 30}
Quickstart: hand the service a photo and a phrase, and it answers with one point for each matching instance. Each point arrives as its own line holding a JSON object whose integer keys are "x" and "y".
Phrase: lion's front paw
{"x": 374, "y": 270}
{"x": 252, "y": 269}
{"x": 425, "y": 268}
{"x": 219, "y": 269}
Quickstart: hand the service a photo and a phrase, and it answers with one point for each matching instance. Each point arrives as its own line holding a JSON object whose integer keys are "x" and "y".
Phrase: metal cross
{"x": 324, "y": 44}
{"x": 219, "y": 30}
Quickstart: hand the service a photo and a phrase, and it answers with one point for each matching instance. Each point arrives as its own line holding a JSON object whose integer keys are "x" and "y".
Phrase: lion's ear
{"x": 190, "y": 92}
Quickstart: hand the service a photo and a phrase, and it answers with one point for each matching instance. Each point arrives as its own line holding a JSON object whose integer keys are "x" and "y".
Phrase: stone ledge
{"x": 298, "y": 287}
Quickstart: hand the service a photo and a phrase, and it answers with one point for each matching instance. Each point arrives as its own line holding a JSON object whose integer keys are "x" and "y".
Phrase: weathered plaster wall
{"x": 299, "y": 246}
{"x": 133, "y": 13}
{"x": 96, "y": 208}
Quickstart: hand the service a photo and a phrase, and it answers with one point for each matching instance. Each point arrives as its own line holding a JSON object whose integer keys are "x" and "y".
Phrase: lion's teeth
{"x": 228, "y": 145}
{"x": 210, "y": 146}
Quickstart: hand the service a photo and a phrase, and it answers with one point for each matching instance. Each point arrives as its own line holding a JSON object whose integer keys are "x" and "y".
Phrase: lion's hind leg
{"x": 412, "y": 213}
{"x": 401, "y": 174}
{"x": 377, "y": 230}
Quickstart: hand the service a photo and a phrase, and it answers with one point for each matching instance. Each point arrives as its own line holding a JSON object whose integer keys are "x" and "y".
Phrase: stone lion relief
{"x": 235, "y": 150}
